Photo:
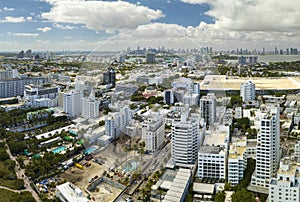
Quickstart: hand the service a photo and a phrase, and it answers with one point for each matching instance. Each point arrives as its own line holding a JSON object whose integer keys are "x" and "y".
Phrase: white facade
{"x": 185, "y": 140}
{"x": 213, "y": 154}
{"x": 208, "y": 108}
{"x": 110, "y": 127}
{"x": 116, "y": 122}
{"x": 39, "y": 96}
{"x": 211, "y": 162}
{"x": 286, "y": 186}
{"x": 247, "y": 91}
{"x": 90, "y": 107}
{"x": 72, "y": 103}
{"x": 153, "y": 132}
{"x": 297, "y": 150}
{"x": 190, "y": 99}
{"x": 68, "y": 192}
{"x": 237, "y": 161}
{"x": 267, "y": 148}
{"x": 179, "y": 187}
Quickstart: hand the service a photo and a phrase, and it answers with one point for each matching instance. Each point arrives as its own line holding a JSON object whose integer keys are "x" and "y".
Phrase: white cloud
{"x": 13, "y": 19}
{"x": 23, "y": 34}
{"x": 101, "y": 15}
{"x": 176, "y": 36}
{"x": 8, "y": 9}
{"x": 29, "y": 18}
{"x": 44, "y": 29}
{"x": 254, "y": 15}
{"x": 59, "y": 26}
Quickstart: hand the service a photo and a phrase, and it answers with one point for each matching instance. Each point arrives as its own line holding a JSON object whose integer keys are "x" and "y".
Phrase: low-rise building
{"x": 179, "y": 187}
{"x": 68, "y": 192}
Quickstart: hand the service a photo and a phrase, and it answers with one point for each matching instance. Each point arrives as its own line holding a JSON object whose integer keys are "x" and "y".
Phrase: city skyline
{"x": 115, "y": 25}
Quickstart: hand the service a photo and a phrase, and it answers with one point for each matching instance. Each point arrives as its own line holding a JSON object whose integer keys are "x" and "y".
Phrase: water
{"x": 130, "y": 166}
{"x": 278, "y": 58}
{"x": 90, "y": 150}
{"x": 59, "y": 149}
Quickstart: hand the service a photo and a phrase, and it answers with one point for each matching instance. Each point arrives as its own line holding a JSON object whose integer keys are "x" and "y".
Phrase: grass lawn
{"x": 9, "y": 196}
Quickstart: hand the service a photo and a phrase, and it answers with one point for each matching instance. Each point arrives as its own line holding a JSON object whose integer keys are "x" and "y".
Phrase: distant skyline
{"x": 57, "y": 25}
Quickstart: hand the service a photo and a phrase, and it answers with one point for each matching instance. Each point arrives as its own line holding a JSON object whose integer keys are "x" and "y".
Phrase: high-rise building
{"x": 267, "y": 148}
{"x": 297, "y": 151}
{"x": 9, "y": 73}
{"x": 247, "y": 91}
{"x": 109, "y": 77}
{"x": 15, "y": 87}
{"x": 72, "y": 103}
{"x": 286, "y": 187}
{"x": 185, "y": 139}
{"x": 208, "y": 109}
{"x": 153, "y": 132}
{"x": 116, "y": 122}
{"x": 212, "y": 154}
{"x": 237, "y": 161}
{"x": 169, "y": 97}
{"x": 90, "y": 107}
{"x": 150, "y": 57}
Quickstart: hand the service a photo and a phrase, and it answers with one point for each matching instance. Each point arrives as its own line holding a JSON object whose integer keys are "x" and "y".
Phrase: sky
{"x": 57, "y": 25}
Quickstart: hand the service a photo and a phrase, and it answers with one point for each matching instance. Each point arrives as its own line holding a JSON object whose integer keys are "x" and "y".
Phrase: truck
{"x": 79, "y": 166}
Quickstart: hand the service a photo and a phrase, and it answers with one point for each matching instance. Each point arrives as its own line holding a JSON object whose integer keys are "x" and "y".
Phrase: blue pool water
{"x": 59, "y": 149}
{"x": 90, "y": 150}
{"x": 130, "y": 166}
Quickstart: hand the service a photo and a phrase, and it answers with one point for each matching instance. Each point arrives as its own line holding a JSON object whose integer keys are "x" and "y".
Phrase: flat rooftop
{"x": 211, "y": 150}
{"x": 203, "y": 188}
{"x": 219, "y": 82}
{"x": 71, "y": 192}
{"x": 215, "y": 138}
{"x": 237, "y": 152}
{"x": 290, "y": 171}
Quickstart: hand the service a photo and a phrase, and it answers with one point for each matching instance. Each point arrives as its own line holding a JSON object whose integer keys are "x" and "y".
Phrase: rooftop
{"x": 71, "y": 192}
{"x": 203, "y": 188}
{"x": 219, "y": 82}
{"x": 215, "y": 139}
{"x": 237, "y": 151}
{"x": 210, "y": 150}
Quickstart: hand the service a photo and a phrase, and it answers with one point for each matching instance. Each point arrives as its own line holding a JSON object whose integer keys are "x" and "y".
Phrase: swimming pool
{"x": 59, "y": 149}
{"x": 90, "y": 150}
{"x": 130, "y": 166}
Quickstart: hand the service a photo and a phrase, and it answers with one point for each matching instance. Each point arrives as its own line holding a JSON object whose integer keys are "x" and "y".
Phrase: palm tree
{"x": 142, "y": 149}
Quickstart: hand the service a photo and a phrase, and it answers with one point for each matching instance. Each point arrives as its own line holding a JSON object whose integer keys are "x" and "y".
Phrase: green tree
{"x": 243, "y": 195}
{"x": 220, "y": 197}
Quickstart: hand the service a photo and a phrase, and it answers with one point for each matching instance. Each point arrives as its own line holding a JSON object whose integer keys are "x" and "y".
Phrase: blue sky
{"x": 116, "y": 25}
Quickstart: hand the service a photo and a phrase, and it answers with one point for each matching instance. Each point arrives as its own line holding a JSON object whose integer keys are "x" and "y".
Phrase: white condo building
{"x": 297, "y": 150}
{"x": 185, "y": 139}
{"x": 40, "y": 96}
{"x": 267, "y": 148}
{"x": 90, "y": 107}
{"x": 247, "y": 91}
{"x": 286, "y": 186}
{"x": 237, "y": 161}
{"x": 116, "y": 122}
{"x": 208, "y": 109}
{"x": 212, "y": 155}
{"x": 72, "y": 103}
{"x": 153, "y": 132}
